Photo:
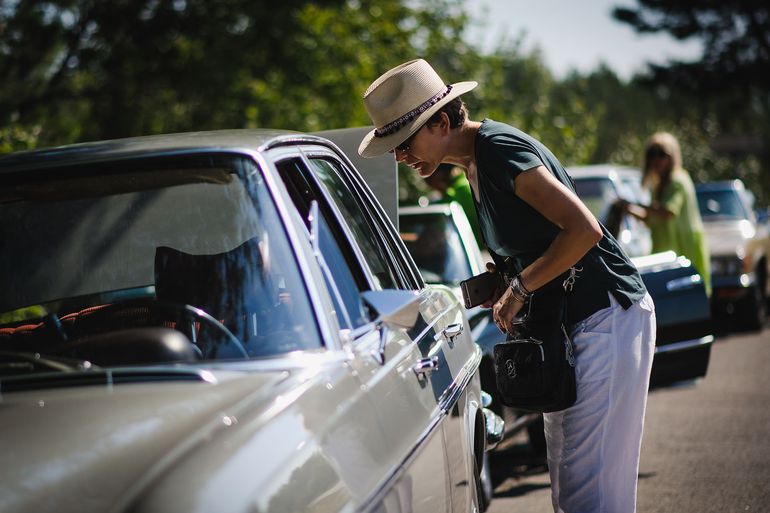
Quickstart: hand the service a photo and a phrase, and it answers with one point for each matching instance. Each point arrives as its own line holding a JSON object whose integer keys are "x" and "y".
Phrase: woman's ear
{"x": 444, "y": 124}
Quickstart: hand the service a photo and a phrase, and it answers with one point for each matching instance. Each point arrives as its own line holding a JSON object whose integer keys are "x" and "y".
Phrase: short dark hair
{"x": 455, "y": 110}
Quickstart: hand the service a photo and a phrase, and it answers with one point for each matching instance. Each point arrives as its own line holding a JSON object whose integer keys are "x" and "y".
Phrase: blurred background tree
{"x": 726, "y": 91}
{"x": 77, "y": 70}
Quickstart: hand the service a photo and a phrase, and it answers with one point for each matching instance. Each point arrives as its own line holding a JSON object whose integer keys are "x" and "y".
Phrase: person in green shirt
{"x": 673, "y": 215}
{"x": 452, "y": 185}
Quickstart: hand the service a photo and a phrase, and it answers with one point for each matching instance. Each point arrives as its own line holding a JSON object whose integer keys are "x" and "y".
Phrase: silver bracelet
{"x": 519, "y": 292}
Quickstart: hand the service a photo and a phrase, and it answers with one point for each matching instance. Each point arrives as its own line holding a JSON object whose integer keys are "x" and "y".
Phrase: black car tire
{"x": 487, "y": 488}
{"x": 483, "y": 484}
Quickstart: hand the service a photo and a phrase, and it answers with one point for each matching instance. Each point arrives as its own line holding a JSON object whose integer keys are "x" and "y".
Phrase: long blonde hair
{"x": 665, "y": 143}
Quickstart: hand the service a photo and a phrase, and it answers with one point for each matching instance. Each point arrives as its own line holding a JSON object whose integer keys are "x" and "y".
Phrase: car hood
{"x": 725, "y": 237}
{"x": 63, "y": 445}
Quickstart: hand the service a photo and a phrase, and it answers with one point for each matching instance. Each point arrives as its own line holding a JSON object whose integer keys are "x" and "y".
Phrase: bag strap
{"x": 567, "y": 284}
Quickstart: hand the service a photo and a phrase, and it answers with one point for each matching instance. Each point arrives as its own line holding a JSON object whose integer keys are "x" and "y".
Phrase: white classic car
{"x": 225, "y": 321}
{"x": 600, "y": 186}
{"x": 740, "y": 254}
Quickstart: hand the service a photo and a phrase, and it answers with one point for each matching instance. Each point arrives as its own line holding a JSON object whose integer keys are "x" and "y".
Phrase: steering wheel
{"x": 154, "y": 312}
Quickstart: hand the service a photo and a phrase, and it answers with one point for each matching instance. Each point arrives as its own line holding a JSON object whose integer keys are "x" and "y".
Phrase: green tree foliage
{"x": 729, "y": 84}
{"x": 109, "y": 68}
{"x": 76, "y": 70}
{"x": 91, "y": 69}
{"x": 518, "y": 88}
{"x": 340, "y": 50}
{"x": 735, "y": 36}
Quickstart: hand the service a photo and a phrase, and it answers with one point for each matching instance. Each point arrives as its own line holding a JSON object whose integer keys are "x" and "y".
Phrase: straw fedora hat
{"x": 401, "y": 101}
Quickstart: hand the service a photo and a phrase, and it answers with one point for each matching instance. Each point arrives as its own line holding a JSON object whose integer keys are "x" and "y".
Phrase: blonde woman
{"x": 673, "y": 215}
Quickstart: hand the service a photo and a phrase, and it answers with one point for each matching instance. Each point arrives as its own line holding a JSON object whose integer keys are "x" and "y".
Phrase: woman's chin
{"x": 425, "y": 170}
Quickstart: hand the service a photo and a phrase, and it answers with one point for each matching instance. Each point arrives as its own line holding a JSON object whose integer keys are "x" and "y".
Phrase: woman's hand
{"x": 503, "y": 304}
{"x": 505, "y": 310}
{"x": 496, "y": 295}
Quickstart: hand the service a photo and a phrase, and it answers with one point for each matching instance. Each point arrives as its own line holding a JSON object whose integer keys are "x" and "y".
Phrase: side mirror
{"x": 398, "y": 308}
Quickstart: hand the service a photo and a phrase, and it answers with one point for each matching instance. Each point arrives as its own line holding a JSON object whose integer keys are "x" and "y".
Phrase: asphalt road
{"x": 706, "y": 446}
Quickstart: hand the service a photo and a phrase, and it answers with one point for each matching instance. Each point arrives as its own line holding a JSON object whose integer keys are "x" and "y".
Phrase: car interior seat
{"x": 230, "y": 286}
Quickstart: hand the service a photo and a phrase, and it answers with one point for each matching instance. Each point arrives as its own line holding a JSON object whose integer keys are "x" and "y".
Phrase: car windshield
{"x": 188, "y": 244}
{"x": 597, "y": 193}
{"x": 436, "y": 247}
{"x": 720, "y": 205}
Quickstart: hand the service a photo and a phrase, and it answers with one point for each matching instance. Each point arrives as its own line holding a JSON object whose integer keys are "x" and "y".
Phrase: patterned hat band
{"x": 395, "y": 126}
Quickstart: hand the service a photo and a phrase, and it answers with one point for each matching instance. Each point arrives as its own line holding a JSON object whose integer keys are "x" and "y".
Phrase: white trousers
{"x": 594, "y": 446}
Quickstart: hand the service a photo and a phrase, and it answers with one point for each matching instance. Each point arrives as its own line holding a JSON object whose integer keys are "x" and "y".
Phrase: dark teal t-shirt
{"x": 513, "y": 229}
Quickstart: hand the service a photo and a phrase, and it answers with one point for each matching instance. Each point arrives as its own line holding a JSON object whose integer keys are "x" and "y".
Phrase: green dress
{"x": 683, "y": 233}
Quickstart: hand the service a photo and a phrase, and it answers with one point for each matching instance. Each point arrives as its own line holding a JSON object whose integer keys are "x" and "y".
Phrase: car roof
{"x": 91, "y": 152}
{"x": 432, "y": 208}
{"x": 380, "y": 173}
{"x": 720, "y": 185}
{"x": 600, "y": 170}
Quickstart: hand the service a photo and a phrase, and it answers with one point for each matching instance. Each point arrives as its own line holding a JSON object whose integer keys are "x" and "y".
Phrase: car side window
{"x": 344, "y": 280}
{"x": 368, "y": 239}
{"x": 339, "y": 280}
{"x": 436, "y": 246}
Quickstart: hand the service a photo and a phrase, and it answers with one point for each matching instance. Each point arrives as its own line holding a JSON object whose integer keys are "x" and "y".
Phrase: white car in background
{"x": 740, "y": 253}
{"x": 600, "y": 186}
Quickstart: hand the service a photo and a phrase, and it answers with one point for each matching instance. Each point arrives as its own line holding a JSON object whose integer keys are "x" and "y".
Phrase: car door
{"x": 402, "y": 370}
{"x": 424, "y": 363}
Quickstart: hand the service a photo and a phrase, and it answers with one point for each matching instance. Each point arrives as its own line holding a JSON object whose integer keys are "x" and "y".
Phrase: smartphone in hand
{"x": 478, "y": 289}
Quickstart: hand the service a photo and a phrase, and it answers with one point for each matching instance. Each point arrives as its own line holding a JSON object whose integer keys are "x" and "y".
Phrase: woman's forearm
{"x": 566, "y": 250}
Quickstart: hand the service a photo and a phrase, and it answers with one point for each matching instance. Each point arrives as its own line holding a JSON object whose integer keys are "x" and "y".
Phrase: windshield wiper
{"x": 13, "y": 363}
{"x": 102, "y": 376}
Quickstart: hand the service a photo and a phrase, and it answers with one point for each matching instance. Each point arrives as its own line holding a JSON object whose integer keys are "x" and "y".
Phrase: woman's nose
{"x": 400, "y": 155}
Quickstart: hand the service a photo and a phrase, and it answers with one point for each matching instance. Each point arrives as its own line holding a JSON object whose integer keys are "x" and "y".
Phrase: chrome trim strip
{"x": 452, "y": 394}
{"x": 371, "y": 502}
{"x": 684, "y": 282}
{"x": 684, "y": 345}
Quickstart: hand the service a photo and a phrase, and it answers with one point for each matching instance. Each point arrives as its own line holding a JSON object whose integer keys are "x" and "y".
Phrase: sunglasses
{"x": 404, "y": 146}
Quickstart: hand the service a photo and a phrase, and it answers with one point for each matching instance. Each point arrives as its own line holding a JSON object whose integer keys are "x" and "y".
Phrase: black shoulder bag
{"x": 535, "y": 367}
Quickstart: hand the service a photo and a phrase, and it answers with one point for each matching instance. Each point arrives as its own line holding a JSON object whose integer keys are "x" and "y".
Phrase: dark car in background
{"x": 740, "y": 254}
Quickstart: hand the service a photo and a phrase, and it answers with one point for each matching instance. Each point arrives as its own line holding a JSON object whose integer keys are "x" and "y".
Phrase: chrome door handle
{"x": 425, "y": 366}
{"x": 450, "y": 332}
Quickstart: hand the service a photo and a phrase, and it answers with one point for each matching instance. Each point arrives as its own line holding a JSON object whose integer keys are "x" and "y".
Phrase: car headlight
{"x": 748, "y": 231}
